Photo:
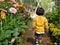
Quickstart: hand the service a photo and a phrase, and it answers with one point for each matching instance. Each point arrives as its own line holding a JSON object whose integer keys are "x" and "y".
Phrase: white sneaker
{"x": 36, "y": 41}
{"x": 37, "y": 44}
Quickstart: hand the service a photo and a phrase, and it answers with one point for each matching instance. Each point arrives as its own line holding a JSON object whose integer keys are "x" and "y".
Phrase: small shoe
{"x": 36, "y": 44}
{"x": 36, "y": 41}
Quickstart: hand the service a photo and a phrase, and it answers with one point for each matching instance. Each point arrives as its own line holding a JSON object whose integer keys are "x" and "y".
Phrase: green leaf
{"x": 16, "y": 32}
{"x": 20, "y": 41}
{"x": 5, "y": 42}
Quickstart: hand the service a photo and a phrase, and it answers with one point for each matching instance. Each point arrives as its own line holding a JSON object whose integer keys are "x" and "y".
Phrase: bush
{"x": 54, "y": 17}
{"x": 11, "y": 24}
{"x": 54, "y": 25}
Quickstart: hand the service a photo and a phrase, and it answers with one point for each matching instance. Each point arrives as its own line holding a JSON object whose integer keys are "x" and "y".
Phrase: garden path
{"x": 29, "y": 39}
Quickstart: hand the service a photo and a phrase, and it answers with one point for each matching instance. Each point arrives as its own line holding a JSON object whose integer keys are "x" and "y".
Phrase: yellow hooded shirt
{"x": 39, "y": 22}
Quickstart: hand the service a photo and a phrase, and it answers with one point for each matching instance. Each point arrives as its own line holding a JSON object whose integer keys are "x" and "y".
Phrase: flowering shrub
{"x": 55, "y": 32}
{"x": 54, "y": 25}
{"x": 12, "y": 23}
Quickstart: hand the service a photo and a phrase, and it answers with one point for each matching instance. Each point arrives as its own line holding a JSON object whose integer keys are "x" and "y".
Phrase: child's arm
{"x": 33, "y": 24}
{"x": 46, "y": 25}
{"x": 46, "y": 28}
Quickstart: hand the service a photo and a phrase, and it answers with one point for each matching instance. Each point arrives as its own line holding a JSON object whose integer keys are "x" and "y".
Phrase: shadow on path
{"x": 31, "y": 40}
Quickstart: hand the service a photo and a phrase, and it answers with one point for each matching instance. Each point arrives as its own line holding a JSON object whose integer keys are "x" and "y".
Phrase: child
{"x": 40, "y": 25}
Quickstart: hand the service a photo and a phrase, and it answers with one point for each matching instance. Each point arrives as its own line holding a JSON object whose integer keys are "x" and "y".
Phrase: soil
{"x": 29, "y": 39}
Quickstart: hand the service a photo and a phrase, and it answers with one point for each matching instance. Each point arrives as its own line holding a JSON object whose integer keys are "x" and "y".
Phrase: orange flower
{"x": 21, "y": 7}
{"x": 3, "y": 14}
{"x": 24, "y": 8}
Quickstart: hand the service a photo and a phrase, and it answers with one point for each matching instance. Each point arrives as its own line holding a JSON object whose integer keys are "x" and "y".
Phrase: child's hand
{"x": 47, "y": 30}
{"x": 33, "y": 29}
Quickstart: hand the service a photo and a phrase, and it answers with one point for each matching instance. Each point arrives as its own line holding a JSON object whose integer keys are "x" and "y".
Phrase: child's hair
{"x": 40, "y": 11}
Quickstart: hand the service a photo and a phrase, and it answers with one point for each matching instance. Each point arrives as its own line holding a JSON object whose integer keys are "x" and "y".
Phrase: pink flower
{"x": 14, "y": 1}
{"x": 15, "y": 5}
{"x": 13, "y": 10}
{"x": 1, "y": 0}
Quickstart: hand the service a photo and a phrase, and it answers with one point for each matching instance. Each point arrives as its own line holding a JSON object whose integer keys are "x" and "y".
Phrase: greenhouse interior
{"x": 29, "y": 22}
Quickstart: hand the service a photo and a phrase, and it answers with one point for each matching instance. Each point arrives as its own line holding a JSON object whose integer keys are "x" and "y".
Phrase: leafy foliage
{"x": 54, "y": 17}
{"x": 55, "y": 32}
{"x": 12, "y": 25}
{"x": 54, "y": 23}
